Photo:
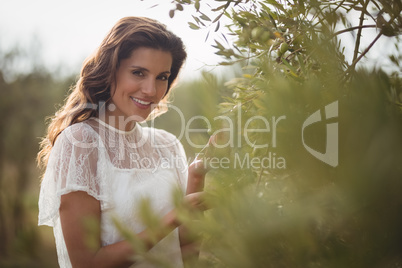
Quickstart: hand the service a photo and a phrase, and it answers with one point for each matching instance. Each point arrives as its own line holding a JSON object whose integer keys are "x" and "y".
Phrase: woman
{"x": 100, "y": 163}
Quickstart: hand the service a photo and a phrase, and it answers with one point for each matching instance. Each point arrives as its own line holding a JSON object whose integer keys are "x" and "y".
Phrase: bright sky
{"x": 70, "y": 30}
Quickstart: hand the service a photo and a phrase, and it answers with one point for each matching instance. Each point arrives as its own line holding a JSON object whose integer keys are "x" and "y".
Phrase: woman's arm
{"x": 75, "y": 209}
{"x": 196, "y": 177}
{"x": 189, "y": 244}
{"x": 194, "y": 192}
{"x": 199, "y": 168}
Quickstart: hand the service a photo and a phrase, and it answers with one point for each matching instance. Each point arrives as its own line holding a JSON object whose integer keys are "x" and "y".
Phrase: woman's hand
{"x": 199, "y": 168}
{"x": 195, "y": 198}
{"x": 196, "y": 201}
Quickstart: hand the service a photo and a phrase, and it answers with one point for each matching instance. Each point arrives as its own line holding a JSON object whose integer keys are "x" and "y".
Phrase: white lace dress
{"x": 117, "y": 168}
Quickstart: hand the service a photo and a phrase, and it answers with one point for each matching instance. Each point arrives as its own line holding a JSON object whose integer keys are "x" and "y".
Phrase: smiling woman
{"x": 141, "y": 82}
{"x": 100, "y": 163}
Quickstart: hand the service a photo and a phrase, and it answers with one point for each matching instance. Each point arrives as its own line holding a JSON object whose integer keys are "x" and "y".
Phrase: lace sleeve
{"x": 75, "y": 164}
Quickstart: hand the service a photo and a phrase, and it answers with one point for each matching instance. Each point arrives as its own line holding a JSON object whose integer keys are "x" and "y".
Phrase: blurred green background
{"x": 26, "y": 99}
{"x": 291, "y": 63}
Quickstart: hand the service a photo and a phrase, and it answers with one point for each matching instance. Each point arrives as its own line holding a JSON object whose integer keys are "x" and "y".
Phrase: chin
{"x": 138, "y": 117}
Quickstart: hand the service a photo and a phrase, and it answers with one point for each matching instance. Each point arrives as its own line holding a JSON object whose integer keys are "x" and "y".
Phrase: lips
{"x": 141, "y": 102}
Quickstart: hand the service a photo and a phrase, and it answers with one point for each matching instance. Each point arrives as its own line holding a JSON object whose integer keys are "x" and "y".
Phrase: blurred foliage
{"x": 300, "y": 213}
{"x": 303, "y": 212}
{"x": 193, "y": 109}
{"x": 26, "y": 99}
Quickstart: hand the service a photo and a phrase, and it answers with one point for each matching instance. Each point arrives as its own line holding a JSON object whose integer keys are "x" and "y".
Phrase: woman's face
{"x": 141, "y": 82}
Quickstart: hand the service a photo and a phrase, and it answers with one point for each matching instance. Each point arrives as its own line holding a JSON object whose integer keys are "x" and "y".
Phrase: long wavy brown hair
{"x": 98, "y": 73}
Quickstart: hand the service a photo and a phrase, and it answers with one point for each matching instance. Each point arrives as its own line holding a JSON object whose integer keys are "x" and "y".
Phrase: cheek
{"x": 162, "y": 91}
{"x": 114, "y": 93}
{"x": 122, "y": 84}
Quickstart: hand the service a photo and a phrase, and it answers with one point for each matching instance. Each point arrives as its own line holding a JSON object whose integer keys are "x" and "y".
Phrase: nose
{"x": 149, "y": 87}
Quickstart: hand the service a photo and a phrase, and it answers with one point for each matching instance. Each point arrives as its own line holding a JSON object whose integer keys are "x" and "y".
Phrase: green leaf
{"x": 273, "y": 20}
{"x": 206, "y": 38}
{"x": 224, "y": 37}
{"x": 171, "y": 13}
{"x": 219, "y": 45}
{"x": 179, "y": 7}
{"x": 217, "y": 26}
{"x": 218, "y": 8}
{"x": 275, "y": 4}
{"x": 301, "y": 6}
{"x": 198, "y": 21}
{"x": 193, "y": 26}
{"x": 205, "y": 17}
{"x": 291, "y": 68}
{"x": 301, "y": 63}
{"x": 217, "y": 18}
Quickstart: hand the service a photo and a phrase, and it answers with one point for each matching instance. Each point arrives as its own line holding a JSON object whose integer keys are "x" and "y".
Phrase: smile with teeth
{"x": 140, "y": 101}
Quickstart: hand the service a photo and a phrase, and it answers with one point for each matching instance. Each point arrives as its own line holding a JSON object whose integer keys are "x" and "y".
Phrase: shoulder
{"x": 76, "y": 140}
{"x": 79, "y": 134}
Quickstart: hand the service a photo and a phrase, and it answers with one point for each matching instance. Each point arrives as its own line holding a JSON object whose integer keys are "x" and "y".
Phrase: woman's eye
{"x": 163, "y": 77}
{"x": 138, "y": 73}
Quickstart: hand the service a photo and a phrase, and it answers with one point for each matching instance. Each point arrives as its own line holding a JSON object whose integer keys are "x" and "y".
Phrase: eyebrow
{"x": 145, "y": 69}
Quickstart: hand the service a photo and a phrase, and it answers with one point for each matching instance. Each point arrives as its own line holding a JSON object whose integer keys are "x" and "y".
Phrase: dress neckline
{"x": 115, "y": 129}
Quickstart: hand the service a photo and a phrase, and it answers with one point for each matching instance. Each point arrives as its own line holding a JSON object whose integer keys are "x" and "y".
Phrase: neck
{"x": 119, "y": 122}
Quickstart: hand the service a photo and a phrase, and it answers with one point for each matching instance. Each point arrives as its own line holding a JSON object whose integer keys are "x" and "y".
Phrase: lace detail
{"x": 117, "y": 168}
{"x": 140, "y": 148}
